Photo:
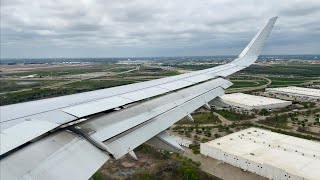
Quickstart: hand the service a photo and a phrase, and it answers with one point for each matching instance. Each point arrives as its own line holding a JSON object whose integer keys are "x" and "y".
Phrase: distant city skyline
{"x": 147, "y": 28}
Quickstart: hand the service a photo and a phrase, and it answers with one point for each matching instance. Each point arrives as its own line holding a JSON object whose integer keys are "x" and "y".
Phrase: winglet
{"x": 250, "y": 54}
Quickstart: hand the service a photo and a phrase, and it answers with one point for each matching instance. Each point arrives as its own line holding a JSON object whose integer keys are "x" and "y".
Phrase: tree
{"x": 188, "y": 172}
{"x": 264, "y": 112}
{"x": 217, "y": 135}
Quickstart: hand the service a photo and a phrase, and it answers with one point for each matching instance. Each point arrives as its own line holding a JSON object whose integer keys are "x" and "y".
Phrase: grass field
{"x": 55, "y": 72}
{"x": 37, "y": 93}
{"x": 305, "y": 70}
{"x": 247, "y": 83}
{"x": 60, "y": 71}
{"x": 11, "y": 85}
{"x": 286, "y": 81}
{"x": 276, "y": 121}
{"x": 233, "y": 116}
{"x": 201, "y": 118}
{"x": 241, "y": 81}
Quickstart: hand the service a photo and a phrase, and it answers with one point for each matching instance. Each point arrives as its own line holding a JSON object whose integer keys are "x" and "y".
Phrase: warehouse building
{"x": 295, "y": 93}
{"x": 269, "y": 154}
{"x": 249, "y": 102}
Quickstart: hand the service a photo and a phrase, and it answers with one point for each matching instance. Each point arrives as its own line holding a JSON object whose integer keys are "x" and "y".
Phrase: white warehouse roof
{"x": 248, "y": 101}
{"x": 276, "y": 155}
{"x": 293, "y": 90}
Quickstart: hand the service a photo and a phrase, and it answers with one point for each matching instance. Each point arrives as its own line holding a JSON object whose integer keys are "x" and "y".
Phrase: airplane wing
{"x": 71, "y": 137}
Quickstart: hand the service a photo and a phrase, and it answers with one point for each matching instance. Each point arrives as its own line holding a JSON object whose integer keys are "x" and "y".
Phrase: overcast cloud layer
{"x": 122, "y": 28}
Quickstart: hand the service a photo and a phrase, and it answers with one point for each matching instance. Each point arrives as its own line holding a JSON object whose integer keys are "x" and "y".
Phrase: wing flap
{"x": 22, "y": 133}
{"x": 126, "y": 142}
{"x": 165, "y": 142}
{"x": 62, "y": 155}
{"x": 115, "y": 123}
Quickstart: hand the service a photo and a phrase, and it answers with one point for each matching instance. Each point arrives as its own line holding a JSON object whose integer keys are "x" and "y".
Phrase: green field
{"x": 13, "y": 85}
{"x": 37, "y": 93}
{"x": 233, "y": 116}
{"x": 55, "y": 72}
{"x": 304, "y": 70}
{"x": 278, "y": 121}
{"x": 286, "y": 81}
{"x": 247, "y": 83}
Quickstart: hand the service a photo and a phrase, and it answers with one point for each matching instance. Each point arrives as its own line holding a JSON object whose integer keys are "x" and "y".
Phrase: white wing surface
{"x": 70, "y": 137}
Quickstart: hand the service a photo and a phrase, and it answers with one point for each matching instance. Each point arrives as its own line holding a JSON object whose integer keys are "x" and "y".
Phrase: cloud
{"x": 105, "y": 28}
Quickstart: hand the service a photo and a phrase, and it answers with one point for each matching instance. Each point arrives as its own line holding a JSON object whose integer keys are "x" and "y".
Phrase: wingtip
{"x": 253, "y": 49}
{"x": 273, "y": 20}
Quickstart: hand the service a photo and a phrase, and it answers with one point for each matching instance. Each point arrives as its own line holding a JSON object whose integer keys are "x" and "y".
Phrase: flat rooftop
{"x": 297, "y": 90}
{"x": 296, "y": 156}
{"x": 251, "y": 100}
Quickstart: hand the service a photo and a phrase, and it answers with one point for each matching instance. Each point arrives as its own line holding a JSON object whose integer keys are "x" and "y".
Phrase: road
{"x": 245, "y": 89}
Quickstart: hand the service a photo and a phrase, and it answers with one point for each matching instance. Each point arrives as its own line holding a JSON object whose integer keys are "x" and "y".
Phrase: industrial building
{"x": 295, "y": 93}
{"x": 269, "y": 154}
{"x": 249, "y": 102}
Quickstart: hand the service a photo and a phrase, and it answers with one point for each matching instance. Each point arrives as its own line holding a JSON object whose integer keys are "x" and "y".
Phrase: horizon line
{"x": 118, "y": 57}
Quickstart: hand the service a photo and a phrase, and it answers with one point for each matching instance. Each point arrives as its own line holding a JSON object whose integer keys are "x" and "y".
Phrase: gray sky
{"x": 122, "y": 28}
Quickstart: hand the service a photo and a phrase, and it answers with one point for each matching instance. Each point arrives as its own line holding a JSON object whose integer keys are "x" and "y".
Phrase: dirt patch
{"x": 151, "y": 164}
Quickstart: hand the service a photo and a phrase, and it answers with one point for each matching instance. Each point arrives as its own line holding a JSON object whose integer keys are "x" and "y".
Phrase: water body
{"x": 26, "y": 82}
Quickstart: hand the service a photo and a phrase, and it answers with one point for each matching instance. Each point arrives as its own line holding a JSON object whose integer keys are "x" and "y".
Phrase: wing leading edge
{"x": 63, "y": 132}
